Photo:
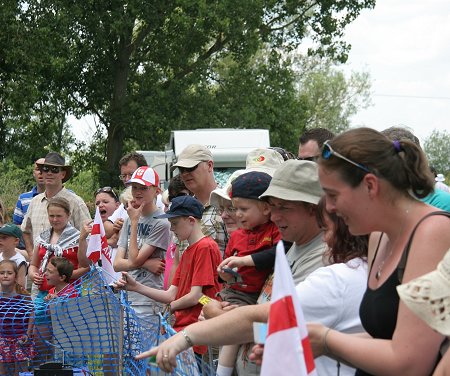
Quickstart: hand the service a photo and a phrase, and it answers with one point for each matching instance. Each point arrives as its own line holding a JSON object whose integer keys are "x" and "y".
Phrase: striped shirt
{"x": 22, "y": 205}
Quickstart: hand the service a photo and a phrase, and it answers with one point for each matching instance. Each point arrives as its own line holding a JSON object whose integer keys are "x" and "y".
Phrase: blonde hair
{"x": 19, "y": 289}
{"x": 126, "y": 196}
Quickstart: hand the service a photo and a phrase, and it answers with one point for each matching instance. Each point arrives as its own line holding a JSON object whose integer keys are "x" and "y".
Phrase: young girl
{"x": 16, "y": 307}
{"x": 60, "y": 240}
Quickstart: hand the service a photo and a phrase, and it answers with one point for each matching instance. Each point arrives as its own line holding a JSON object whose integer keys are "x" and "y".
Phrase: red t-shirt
{"x": 69, "y": 291}
{"x": 70, "y": 254}
{"x": 198, "y": 267}
{"x": 247, "y": 242}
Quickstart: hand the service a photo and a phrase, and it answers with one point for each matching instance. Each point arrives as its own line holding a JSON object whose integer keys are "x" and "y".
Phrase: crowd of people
{"x": 361, "y": 215}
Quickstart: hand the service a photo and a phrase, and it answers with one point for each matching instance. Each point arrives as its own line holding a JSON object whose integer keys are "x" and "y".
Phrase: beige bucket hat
{"x": 295, "y": 180}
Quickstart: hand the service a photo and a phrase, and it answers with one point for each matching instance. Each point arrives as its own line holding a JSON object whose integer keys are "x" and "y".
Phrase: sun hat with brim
{"x": 11, "y": 229}
{"x": 145, "y": 176}
{"x": 221, "y": 196}
{"x": 263, "y": 160}
{"x": 295, "y": 180}
{"x": 55, "y": 159}
{"x": 192, "y": 155}
{"x": 428, "y": 296}
{"x": 440, "y": 178}
{"x": 183, "y": 206}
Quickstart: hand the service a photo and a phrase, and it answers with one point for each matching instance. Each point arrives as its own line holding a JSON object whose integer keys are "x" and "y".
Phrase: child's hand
{"x": 227, "y": 277}
{"x": 50, "y": 297}
{"x": 38, "y": 279}
{"x": 86, "y": 229}
{"x": 126, "y": 282}
{"x": 134, "y": 212}
{"x": 155, "y": 265}
{"x": 235, "y": 262}
{"x": 257, "y": 354}
{"x": 117, "y": 225}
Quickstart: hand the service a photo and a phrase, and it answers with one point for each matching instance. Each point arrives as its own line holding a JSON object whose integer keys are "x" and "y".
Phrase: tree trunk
{"x": 118, "y": 121}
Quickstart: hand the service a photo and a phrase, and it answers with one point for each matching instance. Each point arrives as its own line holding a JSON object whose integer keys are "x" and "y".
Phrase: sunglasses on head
{"x": 327, "y": 152}
{"x": 109, "y": 191}
{"x": 52, "y": 169}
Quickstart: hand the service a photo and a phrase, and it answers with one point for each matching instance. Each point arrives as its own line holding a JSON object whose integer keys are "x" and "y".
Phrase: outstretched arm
{"x": 234, "y": 327}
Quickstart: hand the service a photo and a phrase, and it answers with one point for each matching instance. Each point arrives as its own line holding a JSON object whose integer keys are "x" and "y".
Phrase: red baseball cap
{"x": 145, "y": 176}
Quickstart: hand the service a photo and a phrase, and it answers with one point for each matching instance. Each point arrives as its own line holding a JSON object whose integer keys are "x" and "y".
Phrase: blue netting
{"x": 97, "y": 332}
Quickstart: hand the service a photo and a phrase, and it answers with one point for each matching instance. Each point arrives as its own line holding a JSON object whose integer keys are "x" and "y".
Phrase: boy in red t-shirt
{"x": 196, "y": 274}
{"x": 256, "y": 234}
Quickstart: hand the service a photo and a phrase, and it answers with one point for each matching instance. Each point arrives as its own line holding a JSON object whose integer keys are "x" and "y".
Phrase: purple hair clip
{"x": 397, "y": 146}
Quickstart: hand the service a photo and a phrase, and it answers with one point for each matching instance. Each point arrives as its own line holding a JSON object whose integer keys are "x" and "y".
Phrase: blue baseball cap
{"x": 184, "y": 206}
{"x": 250, "y": 185}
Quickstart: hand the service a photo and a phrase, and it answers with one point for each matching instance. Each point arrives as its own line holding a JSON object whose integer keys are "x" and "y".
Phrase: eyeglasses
{"x": 188, "y": 169}
{"x": 124, "y": 177}
{"x": 327, "y": 152}
{"x": 52, "y": 169}
{"x": 230, "y": 210}
{"x": 107, "y": 190}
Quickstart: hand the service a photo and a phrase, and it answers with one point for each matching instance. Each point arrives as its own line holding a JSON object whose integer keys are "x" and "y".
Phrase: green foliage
{"x": 146, "y": 67}
{"x": 14, "y": 181}
{"x": 84, "y": 185}
{"x": 330, "y": 99}
{"x": 437, "y": 149}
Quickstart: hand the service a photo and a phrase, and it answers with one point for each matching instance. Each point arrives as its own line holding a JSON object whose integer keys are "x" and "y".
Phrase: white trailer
{"x": 229, "y": 148}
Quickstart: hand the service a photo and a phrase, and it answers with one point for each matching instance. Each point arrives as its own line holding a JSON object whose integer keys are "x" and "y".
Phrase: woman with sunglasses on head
{"x": 107, "y": 202}
{"x": 371, "y": 183}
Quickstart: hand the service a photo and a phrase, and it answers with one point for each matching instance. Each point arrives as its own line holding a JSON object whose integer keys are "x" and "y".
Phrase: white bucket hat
{"x": 429, "y": 296}
{"x": 439, "y": 178}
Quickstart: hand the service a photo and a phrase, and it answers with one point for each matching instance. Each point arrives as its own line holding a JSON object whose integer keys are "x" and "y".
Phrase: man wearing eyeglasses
{"x": 196, "y": 167}
{"x": 128, "y": 164}
{"x": 55, "y": 173}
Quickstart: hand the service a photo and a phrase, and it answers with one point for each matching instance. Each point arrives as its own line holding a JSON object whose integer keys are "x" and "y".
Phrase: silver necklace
{"x": 380, "y": 267}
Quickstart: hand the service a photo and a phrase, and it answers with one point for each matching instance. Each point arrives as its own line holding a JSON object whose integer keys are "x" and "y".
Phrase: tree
{"x": 437, "y": 149}
{"x": 127, "y": 63}
{"x": 330, "y": 99}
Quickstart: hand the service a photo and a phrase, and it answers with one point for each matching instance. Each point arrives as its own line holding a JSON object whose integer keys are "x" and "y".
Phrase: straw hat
{"x": 429, "y": 296}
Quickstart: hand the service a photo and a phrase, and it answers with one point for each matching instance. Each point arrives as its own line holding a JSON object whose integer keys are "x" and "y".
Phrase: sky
{"x": 405, "y": 47}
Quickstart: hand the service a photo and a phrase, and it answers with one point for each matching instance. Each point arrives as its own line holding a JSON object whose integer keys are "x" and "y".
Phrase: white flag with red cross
{"x": 98, "y": 248}
{"x": 287, "y": 350}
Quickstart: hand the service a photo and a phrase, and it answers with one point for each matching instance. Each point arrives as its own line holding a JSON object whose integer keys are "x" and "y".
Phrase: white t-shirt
{"x": 120, "y": 212}
{"x": 332, "y": 295}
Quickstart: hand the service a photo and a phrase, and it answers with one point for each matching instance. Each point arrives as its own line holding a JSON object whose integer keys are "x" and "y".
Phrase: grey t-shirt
{"x": 155, "y": 232}
{"x": 304, "y": 259}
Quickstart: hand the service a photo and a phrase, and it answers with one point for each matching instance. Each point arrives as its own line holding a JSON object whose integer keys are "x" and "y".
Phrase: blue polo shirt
{"x": 22, "y": 205}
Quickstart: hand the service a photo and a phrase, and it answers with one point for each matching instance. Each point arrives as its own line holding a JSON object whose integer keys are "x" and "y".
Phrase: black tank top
{"x": 379, "y": 307}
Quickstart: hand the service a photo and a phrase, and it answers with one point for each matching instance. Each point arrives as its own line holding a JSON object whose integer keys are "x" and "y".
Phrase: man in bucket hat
{"x": 55, "y": 172}
{"x": 293, "y": 195}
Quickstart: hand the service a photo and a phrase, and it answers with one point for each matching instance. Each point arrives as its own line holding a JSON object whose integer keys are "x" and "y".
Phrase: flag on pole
{"x": 287, "y": 350}
{"x": 98, "y": 248}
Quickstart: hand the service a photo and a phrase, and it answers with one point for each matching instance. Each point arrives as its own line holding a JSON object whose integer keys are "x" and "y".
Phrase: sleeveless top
{"x": 379, "y": 307}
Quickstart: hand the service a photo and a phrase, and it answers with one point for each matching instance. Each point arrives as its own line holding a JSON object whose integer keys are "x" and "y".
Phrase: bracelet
{"x": 187, "y": 338}
{"x": 325, "y": 345}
